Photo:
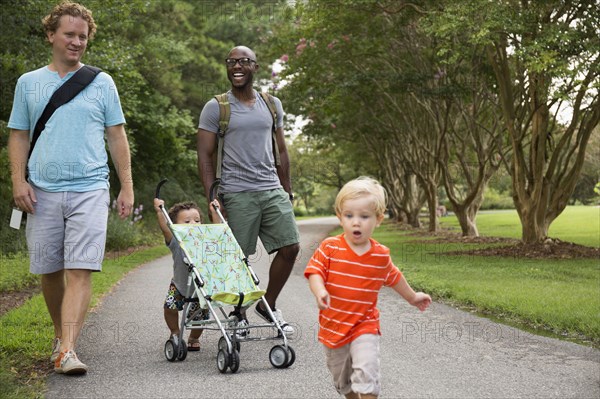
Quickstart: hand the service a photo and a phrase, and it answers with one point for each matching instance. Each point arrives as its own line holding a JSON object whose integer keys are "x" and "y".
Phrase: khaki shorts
{"x": 265, "y": 214}
{"x": 355, "y": 366}
{"x": 67, "y": 231}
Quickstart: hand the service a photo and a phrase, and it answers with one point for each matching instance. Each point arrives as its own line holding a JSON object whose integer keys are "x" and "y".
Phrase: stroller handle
{"x": 163, "y": 181}
{"x": 213, "y": 189}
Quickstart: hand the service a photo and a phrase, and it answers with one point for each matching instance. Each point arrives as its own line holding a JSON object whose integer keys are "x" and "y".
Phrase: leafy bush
{"x": 123, "y": 234}
{"x": 300, "y": 211}
{"x": 14, "y": 272}
{"x": 494, "y": 199}
{"x": 12, "y": 240}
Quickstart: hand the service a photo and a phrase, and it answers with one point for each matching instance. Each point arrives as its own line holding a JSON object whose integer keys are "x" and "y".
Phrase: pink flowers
{"x": 137, "y": 212}
{"x": 301, "y": 46}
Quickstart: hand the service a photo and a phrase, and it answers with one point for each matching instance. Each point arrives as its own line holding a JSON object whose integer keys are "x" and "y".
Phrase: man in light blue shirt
{"x": 64, "y": 185}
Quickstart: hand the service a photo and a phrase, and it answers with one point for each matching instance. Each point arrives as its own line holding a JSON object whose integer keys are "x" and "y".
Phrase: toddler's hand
{"x": 322, "y": 299}
{"x": 157, "y": 203}
{"x": 212, "y": 209}
{"x": 421, "y": 301}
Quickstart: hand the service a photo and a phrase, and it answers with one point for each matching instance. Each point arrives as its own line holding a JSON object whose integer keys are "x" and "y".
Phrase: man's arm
{"x": 119, "y": 152}
{"x": 206, "y": 144}
{"x": 18, "y": 151}
{"x": 283, "y": 170}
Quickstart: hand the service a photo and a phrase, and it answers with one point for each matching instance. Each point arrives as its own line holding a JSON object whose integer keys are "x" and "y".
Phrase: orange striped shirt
{"x": 353, "y": 283}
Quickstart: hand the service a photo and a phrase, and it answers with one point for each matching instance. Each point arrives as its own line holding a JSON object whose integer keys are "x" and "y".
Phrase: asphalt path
{"x": 440, "y": 353}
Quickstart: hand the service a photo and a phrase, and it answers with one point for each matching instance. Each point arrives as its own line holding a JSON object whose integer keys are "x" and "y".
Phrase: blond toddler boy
{"x": 345, "y": 275}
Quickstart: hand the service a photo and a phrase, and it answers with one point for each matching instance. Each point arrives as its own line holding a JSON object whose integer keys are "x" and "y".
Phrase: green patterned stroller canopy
{"x": 213, "y": 250}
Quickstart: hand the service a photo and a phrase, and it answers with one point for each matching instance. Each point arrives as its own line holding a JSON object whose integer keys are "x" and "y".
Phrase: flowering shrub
{"x": 137, "y": 213}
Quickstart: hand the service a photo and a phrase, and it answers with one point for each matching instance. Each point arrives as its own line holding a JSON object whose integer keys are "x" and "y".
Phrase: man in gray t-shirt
{"x": 255, "y": 193}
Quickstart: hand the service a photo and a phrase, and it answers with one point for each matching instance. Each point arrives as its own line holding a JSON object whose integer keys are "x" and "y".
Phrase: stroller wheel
{"x": 292, "y": 356}
{"x": 223, "y": 345}
{"x": 182, "y": 353}
{"x": 278, "y": 357}
{"x": 234, "y": 361}
{"x": 222, "y": 361}
{"x": 171, "y": 350}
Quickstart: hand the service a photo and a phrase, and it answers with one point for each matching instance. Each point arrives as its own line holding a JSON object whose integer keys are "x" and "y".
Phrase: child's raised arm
{"x": 418, "y": 299}
{"x": 161, "y": 220}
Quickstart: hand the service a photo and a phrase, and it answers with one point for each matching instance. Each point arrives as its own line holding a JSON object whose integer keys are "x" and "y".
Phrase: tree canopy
{"x": 444, "y": 93}
{"x": 431, "y": 97}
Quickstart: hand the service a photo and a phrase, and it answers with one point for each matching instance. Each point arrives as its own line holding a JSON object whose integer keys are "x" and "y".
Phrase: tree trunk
{"x": 432, "y": 202}
{"x": 401, "y": 217}
{"x": 413, "y": 200}
{"x": 433, "y": 219}
{"x": 413, "y": 218}
{"x": 534, "y": 226}
{"x": 466, "y": 217}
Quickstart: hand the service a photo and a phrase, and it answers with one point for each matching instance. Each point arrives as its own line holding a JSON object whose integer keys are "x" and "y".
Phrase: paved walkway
{"x": 442, "y": 353}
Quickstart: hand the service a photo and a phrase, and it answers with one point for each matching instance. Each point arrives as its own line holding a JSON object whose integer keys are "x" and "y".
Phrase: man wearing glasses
{"x": 255, "y": 193}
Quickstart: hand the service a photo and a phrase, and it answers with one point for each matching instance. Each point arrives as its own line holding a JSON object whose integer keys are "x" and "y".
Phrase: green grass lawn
{"x": 558, "y": 296}
{"x": 561, "y": 297}
{"x": 577, "y": 224}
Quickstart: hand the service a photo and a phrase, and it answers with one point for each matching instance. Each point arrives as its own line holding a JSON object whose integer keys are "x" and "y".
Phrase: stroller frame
{"x": 229, "y": 345}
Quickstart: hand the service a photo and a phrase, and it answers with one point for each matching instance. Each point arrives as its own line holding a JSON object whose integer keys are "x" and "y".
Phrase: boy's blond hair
{"x": 360, "y": 187}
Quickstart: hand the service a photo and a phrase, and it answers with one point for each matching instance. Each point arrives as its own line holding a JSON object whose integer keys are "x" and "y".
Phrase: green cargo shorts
{"x": 265, "y": 214}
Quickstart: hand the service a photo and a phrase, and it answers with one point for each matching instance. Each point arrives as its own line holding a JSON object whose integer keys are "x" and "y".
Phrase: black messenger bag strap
{"x": 65, "y": 93}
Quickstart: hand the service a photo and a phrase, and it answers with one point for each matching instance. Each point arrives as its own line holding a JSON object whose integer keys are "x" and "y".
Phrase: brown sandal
{"x": 193, "y": 345}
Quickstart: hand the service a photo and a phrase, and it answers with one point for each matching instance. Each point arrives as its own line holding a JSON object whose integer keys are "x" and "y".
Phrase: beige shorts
{"x": 67, "y": 231}
{"x": 355, "y": 366}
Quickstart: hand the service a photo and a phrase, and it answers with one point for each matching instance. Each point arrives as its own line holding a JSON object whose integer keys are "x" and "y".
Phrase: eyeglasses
{"x": 230, "y": 62}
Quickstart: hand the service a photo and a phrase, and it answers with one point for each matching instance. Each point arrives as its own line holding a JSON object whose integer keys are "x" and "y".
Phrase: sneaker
{"x": 68, "y": 363}
{"x": 240, "y": 331}
{"x": 55, "y": 349}
{"x": 264, "y": 314}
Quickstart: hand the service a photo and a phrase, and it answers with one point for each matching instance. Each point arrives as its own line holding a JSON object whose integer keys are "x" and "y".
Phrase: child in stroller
{"x": 218, "y": 276}
{"x": 181, "y": 213}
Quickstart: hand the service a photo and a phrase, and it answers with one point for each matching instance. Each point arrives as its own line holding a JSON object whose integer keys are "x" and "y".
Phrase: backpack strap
{"x": 224, "y": 115}
{"x": 65, "y": 93}
{"x": 270, "y": 101}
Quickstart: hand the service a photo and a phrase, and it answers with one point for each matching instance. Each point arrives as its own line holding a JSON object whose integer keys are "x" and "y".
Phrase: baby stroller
{"x": 220, "y": 276}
